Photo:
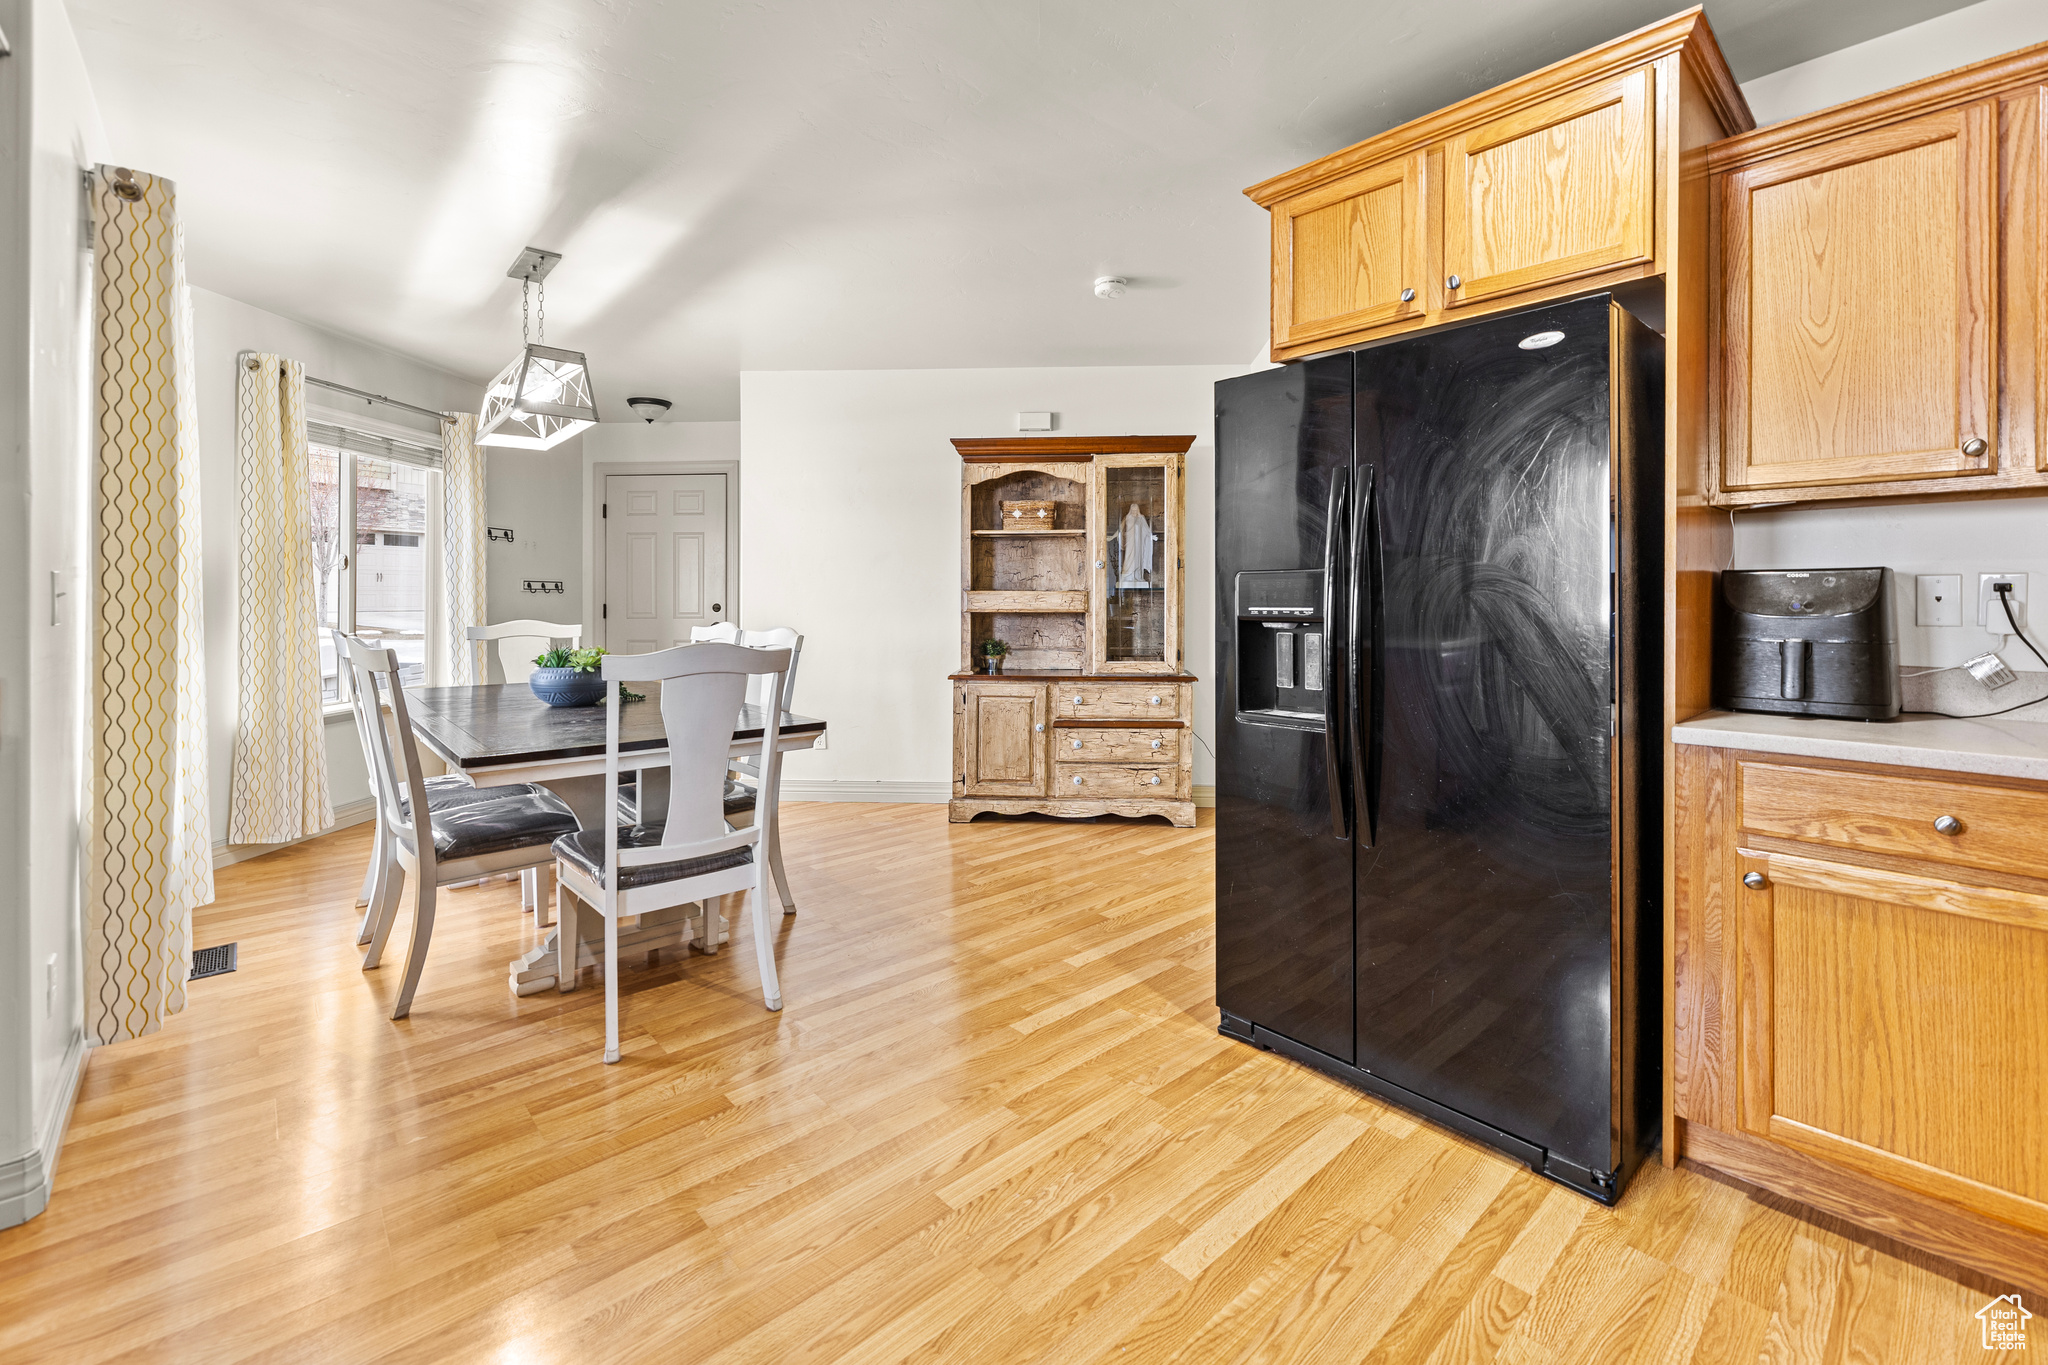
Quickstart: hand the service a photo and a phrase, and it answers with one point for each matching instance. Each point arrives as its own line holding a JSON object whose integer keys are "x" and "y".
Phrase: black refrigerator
{"x": 1439, "y": 792}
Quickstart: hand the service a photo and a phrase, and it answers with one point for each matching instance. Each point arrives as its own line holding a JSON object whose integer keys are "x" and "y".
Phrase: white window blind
{"x": 423, "y": 452}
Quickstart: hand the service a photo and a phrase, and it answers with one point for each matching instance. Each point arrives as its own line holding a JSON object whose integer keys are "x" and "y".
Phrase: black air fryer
{"x": 1811, "y": 642}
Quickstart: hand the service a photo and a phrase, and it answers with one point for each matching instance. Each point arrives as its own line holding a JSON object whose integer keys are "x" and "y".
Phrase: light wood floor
{"x": 994, "y": 1124}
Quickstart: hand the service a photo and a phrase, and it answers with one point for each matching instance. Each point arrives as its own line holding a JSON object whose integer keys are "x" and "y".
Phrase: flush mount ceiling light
{"x": 543, "y": 397}
{"x": 1111, "y": 287}
{"x": 649, "y": 408}
{"x": 1536, "y": 341}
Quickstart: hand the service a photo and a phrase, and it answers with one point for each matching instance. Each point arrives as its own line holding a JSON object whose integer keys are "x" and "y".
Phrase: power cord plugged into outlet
{"x": 2004, "y": 591}
{"x": 1991, "y": 671}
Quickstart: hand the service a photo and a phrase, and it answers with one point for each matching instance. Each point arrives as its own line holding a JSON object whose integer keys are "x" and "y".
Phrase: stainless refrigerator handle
{"x": 1333, "y": 676}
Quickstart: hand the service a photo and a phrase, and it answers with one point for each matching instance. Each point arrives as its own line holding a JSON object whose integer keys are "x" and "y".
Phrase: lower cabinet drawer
{"x": 1116, "y": 746}
{"x": 1135, "y": 702}
{"x": 1105, "y": 781}
{"x": 1998, "y": 829}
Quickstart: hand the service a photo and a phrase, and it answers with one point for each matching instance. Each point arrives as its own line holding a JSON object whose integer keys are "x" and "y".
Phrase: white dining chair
{"x": 438, "y": 845}
{"x": 747, "y": 771}
{"x": 693, "y": 854}
{"x": 442, "y": 792}
{"x": 518, "y": 642}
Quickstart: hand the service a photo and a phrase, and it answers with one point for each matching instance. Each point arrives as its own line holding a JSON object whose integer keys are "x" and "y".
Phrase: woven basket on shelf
{"x": 1029, "y": 516}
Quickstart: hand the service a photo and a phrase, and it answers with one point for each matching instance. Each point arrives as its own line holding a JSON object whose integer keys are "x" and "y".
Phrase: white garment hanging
{"x": 1134, "y": 567}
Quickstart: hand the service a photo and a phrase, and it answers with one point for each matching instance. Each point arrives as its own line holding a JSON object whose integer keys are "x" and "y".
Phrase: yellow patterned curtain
{"x": 462, "y": 543}
{"x": 150, "y": 860}
{"x": 280, "y": 778}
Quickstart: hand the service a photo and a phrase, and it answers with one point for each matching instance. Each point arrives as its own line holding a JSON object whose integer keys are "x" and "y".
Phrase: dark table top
{"x": 504, "y": 723}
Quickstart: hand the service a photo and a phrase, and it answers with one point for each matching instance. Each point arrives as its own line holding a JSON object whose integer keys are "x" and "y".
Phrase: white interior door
{"x": 665, "y": 565}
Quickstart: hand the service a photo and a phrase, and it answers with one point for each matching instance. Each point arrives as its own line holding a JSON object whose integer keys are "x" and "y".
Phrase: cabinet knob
{"x": 1155, "y": 781}
{"x": 1754, "y": 881}
{"x": 1077, "y": 699}
{"x": 1077, "y": 781}
{"x": 1948, "y": 824}
{"x": 1453, "y": 282}
{"x": 1098, "y": 563}
{"x": 1041, "y": 729}
{"x": 1155, "y": 701}
{"x": 1407, "y": 296}
{"x": 1077, "y": 744}
{"x": 1155, "y": 743}
{"x": 1975, "y": 446}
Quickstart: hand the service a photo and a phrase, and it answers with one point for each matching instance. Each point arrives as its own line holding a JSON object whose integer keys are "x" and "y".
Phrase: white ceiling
{"x": 800, "y": 184}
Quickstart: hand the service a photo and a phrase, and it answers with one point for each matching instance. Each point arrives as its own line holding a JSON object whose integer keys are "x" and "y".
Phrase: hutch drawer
{"x": 1117, "y": 701}
{"x": 1083, "y": 781}
{"x": 1998, "y": 829}
{"x": 1117, "y": 746}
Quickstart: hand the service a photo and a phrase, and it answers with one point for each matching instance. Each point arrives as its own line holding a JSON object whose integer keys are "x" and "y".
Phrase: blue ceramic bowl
{"x": 567, "y": 686}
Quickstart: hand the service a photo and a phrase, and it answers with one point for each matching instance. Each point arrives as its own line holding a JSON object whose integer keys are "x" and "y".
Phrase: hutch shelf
{"x": 1070, "y": 554}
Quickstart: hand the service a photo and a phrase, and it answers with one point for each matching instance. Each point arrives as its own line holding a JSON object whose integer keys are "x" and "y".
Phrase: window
{"x": 371, "y": 541}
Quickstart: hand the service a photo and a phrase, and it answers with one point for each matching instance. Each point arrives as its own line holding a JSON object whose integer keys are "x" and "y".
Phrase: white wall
{"x": 1967, "y": 538}
{"x": 1958, "y": 38}
{"x": 49, "y": 133}
{"x": 222, "y": 329}
{"x": 536, "y": 494}
{"x": 850, "y": 531}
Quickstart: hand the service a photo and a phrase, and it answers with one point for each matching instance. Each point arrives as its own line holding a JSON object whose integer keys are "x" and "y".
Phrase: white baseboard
{"x": 921, "y": 793}
{"x": 351, "y": 813}
{"x": 26, "y": 1181}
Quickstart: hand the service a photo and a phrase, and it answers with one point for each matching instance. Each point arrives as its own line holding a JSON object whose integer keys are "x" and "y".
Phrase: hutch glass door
{"x": 1137, "y": 572}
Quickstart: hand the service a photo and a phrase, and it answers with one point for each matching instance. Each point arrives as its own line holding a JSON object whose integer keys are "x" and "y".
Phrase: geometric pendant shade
{"x": 538, "y": 401}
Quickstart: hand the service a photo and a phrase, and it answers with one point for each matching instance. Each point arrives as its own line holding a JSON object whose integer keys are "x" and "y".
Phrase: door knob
{"x": 1975, "y": 446}
{"x": 716, "y": 607}
{"x": 1754, "y": 881}
{"x": 1453, "y": 282}
{"x": 1407, "y": 296}
{"x": 1948, "y": 824}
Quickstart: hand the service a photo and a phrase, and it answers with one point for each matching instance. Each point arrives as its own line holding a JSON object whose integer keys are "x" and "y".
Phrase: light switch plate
{"x": 1940, "y": 598}
{"x": 1990, "y": 614}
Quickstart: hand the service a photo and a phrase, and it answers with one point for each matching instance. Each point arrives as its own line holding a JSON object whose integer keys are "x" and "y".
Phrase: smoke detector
{"x": 649, "y": 408}
{"x": 1111, "y": 287}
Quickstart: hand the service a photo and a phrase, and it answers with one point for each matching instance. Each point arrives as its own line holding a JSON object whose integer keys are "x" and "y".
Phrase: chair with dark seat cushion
{"x": 694, "y": 854}
{"x": 471, "y": 833}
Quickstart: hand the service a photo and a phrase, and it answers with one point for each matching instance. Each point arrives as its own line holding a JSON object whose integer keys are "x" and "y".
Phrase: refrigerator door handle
{"x": 1363, "y": 654}
{"x": 1334, "y": 692}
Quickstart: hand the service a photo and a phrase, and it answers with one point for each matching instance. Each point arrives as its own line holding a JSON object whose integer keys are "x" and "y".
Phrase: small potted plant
{"x": 568, "y": 677}
{"x": 992, "y": 653}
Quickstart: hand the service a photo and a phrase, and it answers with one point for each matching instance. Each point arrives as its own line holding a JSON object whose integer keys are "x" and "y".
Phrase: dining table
{"x": 500, "y": 734}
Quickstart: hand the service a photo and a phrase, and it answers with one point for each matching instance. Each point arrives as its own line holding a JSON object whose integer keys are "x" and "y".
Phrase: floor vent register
{"x": 212, "y": 961}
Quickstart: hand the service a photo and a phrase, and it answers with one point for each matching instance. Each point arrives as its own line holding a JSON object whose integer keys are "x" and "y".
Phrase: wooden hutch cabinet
{"x": 1081, "y": 576}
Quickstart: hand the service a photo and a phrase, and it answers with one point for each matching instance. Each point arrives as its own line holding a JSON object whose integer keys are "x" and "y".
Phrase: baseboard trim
{"x": 26, "y": 1181}
{"x": 913, "y": 793}
{"x": 352, "y": 813}
{"x": 1205, "y": 798}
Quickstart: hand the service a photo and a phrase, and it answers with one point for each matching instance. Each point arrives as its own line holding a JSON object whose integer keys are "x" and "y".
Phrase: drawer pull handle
{"x": 1754, "y": 881}
{"x": 1948, "y": 824}
{"x": 1077, "y": 781}
{"x": 1077, "y": 744}
{"x": 1077, "y": 699}
{"x": 1155, "y": 743}
{"x": 1155, "y": 701}
{"x": 1155, "y": 781}
{"x": 1041, "y": 729}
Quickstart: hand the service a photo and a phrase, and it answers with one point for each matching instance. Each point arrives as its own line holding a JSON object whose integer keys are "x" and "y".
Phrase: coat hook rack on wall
{"x": 503, "y": 533}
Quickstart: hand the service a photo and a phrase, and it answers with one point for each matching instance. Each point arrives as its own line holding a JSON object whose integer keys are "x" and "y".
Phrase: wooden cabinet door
{"x": 1893, "y": 1024}
{"x": 1564, "y": 188}
{"x": 999, "y": 738}
{"x": 1857, "y": 307}
{"x": 1350, "y": 255}
{"x": 1134, "y": 607}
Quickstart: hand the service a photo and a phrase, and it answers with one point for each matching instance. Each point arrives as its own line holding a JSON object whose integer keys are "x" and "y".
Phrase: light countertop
{"x": 1995, "y": 746}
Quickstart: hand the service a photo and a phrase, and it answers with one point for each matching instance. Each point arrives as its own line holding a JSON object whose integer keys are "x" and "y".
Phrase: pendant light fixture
{"x": 543, "y": 397}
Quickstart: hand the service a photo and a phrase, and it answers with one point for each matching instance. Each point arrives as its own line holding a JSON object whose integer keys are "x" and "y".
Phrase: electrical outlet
{"x": 1940, "y": 597}
{"x": 1990, "y": 614}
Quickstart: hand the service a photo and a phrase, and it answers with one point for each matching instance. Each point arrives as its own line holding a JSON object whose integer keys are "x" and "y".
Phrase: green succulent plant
{"x": 582, "y": 660}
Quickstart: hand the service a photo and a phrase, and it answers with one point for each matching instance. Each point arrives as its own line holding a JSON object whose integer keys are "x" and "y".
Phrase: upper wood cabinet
{"x": 1878, "y": 320}
{"x": 1351, "y": 254}
{"x": 1554, "y": 192}
{"x": 1558, "y": 183}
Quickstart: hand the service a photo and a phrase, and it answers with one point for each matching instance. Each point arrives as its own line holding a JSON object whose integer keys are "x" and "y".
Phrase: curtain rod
{"x": 368, "y": 397}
